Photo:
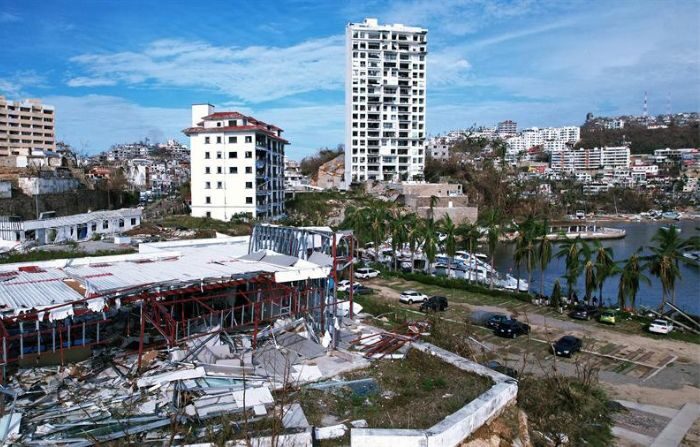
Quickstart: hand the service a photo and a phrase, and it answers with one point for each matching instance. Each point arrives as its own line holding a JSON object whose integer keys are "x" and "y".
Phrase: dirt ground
{"x": 633, "y": 367}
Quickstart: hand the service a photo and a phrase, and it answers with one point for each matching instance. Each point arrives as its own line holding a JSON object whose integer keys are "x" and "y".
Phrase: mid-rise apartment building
{"x": 506, "y": 128}
{"x": 26, "y": 127}
{"x": 574, "y": 160}
{"x": 385, "y": 102}
{"x": 237, "y": 165}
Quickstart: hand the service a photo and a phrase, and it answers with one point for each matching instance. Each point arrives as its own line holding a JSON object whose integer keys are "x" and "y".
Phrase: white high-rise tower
{"x": 385, "y": 105}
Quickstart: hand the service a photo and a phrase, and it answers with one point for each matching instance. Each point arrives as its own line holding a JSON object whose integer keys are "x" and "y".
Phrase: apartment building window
{"x": 207, "y": 199}
{"x": 233, "y": 154}
{"x": 232, "y": 123}
{"x": 207, "y": 185}
{"x": 208, "y": 214}
{"x": 218, "y": 170}
{"x": 207, "y": 170}
{"x": 206, "y": 140}
{"x": 207, "y": 155}
{"x": 93, "y": 227}
{"x": 218, "y": 155}
{"x": 248, "y": 185}
{"x": 248, "y": 139}
{"x": 248, "y": 169}
{"x": 218, "y": 139}
{"x": 219, "y": 185}
{"x": 248, "y": 154}
{"x": 121, "y": 223}
{"x": 233, "y": 139}
{"x": 133, "y": 221}
{"x": 105, "y": 224}
{"x": 249, "y": 200}
{"x": 233, "y": 170}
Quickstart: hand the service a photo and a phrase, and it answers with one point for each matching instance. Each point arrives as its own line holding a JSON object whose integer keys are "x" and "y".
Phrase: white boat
{"x": 584, "y": 231}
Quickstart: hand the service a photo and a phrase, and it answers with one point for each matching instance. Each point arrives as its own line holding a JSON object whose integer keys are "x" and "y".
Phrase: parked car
{"x": 412, "y": 296}
{"x": 434, "y": 303}
{"x": 660, "y": 327}
{"x": 344, "y": 285}
{"x": 584, "y": 312}
{"x": 495, "y": 320}
{"x": 608, "y": 316}
{"x": 567, "y": 345}
{"x": 362, "y": 290}
{"x": 498, "y": 366}
{"x": 512, "y": 328}
{"x": 366, "y": 272}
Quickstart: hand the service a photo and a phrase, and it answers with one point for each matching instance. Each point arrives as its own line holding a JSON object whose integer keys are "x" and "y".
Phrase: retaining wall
{"x": 455, "y": 428}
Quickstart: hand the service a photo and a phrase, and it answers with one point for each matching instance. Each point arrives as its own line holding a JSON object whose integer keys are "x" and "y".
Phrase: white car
{"x": 344, "y": 285}
{"x": 411, "y": 296}
{"x": 366, "y": 273}
{"x": 660, "y": 327}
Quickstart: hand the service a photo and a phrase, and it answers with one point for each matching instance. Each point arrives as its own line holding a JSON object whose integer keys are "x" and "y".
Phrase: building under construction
{"x": 170, "y": 292}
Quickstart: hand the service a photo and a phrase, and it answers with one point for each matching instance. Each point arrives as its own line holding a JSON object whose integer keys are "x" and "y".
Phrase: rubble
{"x": 179, "y": 390}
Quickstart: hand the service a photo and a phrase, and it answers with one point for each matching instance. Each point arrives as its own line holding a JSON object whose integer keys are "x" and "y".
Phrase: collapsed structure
{"x": 170, "y": 292}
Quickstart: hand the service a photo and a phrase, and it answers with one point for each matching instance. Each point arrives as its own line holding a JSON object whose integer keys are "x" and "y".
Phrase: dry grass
{"x": 416, "y": 392}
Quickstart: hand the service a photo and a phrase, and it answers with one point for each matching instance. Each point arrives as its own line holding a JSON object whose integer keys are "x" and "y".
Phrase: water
{"x": 638, "y": 234}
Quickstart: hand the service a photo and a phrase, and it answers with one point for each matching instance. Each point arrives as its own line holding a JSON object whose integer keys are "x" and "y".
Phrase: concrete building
{"x": 449, "y": 201}
{"x": 293, "y": 177}
{"x": 78, "y": 227}
{"x": 385, "y": 85}
{"x": 47, "y": 184}
{"x": 237, "y": 165}
{"x": 507, "y": 128}
{"x": 572, "y": 160}
{"x": 26, "y": 126}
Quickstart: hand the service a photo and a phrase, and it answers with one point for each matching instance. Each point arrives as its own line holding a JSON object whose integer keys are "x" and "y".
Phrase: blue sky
{"x": 118, "y": 71}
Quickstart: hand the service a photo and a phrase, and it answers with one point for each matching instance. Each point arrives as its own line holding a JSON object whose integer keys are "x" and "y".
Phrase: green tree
{"x": 448, "y": 228}
{"x": 556, "y": 295}
{"x": 469, "y": 236}
{"x": 605, "y": 267}
{"x": 632, "y": 273}
{"x": 399, "y": 233}
{"x": 666, "y": 252}
{"x": 414, "y": 236}
{"x": 492, "y": 221}
{"x": 544, "y": 253}
{"x": 430, "y": 242}
{"x": 569, "y": 250}
{"x": 525, "y": 248}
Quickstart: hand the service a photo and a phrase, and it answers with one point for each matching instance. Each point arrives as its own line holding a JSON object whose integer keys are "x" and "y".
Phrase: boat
{"x": 583, "y": 231}
{"x": 668, "y": 228}
{"x": 671, "y": 215}
{"x": 692, "y": 257}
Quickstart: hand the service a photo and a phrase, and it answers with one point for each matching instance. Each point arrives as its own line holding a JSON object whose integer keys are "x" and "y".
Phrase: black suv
{"x": 567, "y": 345}
{"x": 496, "y": 320}
{"x": 584, "y": 312}
{"x": 512, "y": 328}
{"x": 434, "y": 303}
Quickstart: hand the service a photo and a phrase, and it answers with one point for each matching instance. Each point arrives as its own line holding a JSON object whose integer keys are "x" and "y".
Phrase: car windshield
{"x": 659, "y": 322}
{"x": 568, "y": 340}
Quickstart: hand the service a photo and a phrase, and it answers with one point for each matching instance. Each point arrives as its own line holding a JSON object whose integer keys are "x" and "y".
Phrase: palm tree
{"x": 468, "y": 238}
{"x": 569, "y": 250}
{"x": 605, "y": 267}
{"x": 492, "y": 221}
{"x": 413, "y": 236}
{"x": 398, "y": 226}
{"x": 556, "y": 295}
{"x": 525, "y": 247}
{"x": 631, "y": 274}
{"x": 430, "y": 242}
{"x": 666, "y": 253}
{"x": 589, "y": 270}
{"x": 434, "y": 200}
{"x": 544, "y": 253}
{"x": 377, "y": 226}
{"x": 447, "y": 227}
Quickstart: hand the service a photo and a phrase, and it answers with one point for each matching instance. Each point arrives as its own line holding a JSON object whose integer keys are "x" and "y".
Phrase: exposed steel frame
{"x": 180, "y": 313}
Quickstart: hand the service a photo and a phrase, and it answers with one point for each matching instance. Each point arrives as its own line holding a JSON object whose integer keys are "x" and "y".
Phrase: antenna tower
{"x": 645, "y": 113}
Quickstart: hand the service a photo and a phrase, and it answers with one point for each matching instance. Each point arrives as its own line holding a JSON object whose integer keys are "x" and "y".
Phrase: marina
{"x": 586, "y": 231}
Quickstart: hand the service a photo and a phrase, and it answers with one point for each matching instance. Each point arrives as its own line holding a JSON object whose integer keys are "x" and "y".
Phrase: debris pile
{"x": 178, "y": 394}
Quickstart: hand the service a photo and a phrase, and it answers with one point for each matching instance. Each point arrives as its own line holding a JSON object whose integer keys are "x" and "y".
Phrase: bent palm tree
{"x": 631, "y": 275}
{"x": 544, "y": 253}
{"x": 605, "y": 266}
{"x": 664, "y": 259}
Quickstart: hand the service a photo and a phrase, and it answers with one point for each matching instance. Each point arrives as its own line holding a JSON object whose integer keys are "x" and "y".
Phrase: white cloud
{"x": 82, "y": 81}
{"x": 14, "y": 86}
{"x": 95, "y": 122}
{"x": 7, "y": 17}
{"x": 254, "y": 74}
